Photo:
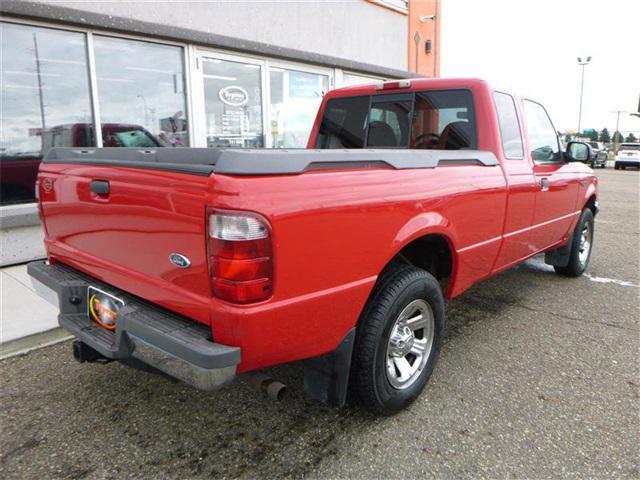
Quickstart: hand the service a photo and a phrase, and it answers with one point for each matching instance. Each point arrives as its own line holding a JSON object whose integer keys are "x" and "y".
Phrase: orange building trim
{"x": 425, "y": 18}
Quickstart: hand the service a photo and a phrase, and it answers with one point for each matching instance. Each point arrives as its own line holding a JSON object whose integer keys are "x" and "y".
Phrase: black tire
{"x": 616, "y": 166}
{"x": 396, "y": 290}
{"x": 577, "y": 266}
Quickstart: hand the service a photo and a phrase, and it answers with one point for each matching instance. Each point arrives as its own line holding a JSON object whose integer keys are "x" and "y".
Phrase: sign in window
{"x": 233, "y": 103}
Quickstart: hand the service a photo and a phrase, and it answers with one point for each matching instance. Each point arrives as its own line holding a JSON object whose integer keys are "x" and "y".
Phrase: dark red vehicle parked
{"x": 207, "y": 263}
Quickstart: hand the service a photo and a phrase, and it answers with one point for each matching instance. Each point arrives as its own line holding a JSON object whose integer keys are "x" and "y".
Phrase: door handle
{"x": 100, "y": 187}
{"x": 544, "y": 184}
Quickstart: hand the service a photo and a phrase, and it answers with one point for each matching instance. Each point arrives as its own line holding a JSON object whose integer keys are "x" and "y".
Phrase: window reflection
{"x": 295, "y": 98}
{"x": 233, "y": 103}
{"x": 350, "y": 79}
{"x": 45, "y": 102}
{"x": 141, "y": 93}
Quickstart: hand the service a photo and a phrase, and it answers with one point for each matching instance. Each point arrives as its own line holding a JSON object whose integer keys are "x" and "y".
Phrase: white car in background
{"x": 627, "y": 155}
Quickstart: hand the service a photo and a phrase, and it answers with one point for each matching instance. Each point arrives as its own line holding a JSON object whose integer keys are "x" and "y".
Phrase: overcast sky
{"x": 531, "y": 47}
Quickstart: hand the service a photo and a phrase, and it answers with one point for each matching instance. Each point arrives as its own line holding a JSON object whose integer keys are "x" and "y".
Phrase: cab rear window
{"x": 432, "y": 119}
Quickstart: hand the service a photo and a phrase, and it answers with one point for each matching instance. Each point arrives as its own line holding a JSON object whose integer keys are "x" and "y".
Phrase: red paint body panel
{"x": 333, "y": 232}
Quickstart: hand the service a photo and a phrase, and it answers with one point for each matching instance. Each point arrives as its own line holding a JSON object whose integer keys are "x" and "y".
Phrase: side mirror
{"x": 578, "y": 152}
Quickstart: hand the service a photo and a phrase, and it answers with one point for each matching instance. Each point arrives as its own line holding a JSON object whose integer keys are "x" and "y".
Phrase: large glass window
{"x": 45, "y": 102}
{"x": 543, "y": 139}
{"x": 295, "y": 97}
{"x": 350, "y": 79}
{"x": 233, "y": 103}
{"x": 509, "y": 126}
{"x": 141, "y": 93}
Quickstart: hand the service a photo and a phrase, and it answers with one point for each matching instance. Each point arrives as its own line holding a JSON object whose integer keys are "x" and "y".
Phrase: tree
{"x": 631, "y": 138}
{"x": 617, "y": 137}
{"x": 605, "y": 136}
{"x": 592, "y": 134}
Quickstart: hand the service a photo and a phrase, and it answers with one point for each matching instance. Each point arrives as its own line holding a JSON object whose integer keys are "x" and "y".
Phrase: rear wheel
{"x": 398, "y": 340}
{"x": 616, "y": 166}
{"x": 581, "y": 246}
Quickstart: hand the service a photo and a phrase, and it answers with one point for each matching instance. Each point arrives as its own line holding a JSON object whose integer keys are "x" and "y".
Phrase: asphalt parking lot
{"x": 539, "y": 377}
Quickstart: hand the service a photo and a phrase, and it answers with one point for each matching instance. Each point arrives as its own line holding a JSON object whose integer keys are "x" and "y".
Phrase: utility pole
{"x": 582, "y": 64}
{"x": 615, "y": 138}
{"x": 40, "y": 96}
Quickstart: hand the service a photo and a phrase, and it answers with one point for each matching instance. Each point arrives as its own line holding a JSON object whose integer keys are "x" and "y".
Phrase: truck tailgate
{"x": 125, "y": 236}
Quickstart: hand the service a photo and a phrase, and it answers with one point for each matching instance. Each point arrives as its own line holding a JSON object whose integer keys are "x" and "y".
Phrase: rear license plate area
{"x": 103, "y": 308}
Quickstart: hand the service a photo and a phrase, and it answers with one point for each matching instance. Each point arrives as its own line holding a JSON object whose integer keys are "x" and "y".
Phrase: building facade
{"x": 242, "y": 74}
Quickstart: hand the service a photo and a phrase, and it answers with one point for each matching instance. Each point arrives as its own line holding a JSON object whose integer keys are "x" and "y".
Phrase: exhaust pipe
{"x": 84, "y": 353}
{"x": 269, "y": 387}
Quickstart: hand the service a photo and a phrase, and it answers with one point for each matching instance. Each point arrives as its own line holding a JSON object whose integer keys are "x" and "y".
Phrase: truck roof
{"x": 414, "y": 84}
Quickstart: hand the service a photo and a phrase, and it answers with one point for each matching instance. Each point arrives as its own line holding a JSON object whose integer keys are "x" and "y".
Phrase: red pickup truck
{"x": 206, "y": 263}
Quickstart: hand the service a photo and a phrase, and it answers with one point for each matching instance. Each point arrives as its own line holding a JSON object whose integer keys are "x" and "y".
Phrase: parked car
{"x": 204, "y": 263}
{"x": 598, "y": 155}
{"x": 627, "y": 155}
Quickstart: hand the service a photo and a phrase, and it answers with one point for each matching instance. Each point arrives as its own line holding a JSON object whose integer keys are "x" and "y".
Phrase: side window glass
{"x": 389, "y": 122}
{"x": 509, "y": 126}
{"x": 543, "y": 139}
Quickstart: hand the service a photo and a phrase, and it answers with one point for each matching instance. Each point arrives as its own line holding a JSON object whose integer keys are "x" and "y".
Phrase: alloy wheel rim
{"x": 409, "y": 344}
{"x": 585, "y": 244}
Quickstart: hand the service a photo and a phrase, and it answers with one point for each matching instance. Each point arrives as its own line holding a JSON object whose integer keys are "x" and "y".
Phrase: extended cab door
{"x": 557, "y": 183}
{"x": 521, "y": 182}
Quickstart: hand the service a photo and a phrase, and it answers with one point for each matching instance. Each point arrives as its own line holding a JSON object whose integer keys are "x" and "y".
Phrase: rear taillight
{"x": 240, "y": 256}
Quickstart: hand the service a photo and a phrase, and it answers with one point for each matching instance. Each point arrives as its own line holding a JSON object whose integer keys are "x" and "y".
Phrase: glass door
{"x": 295, "y": 94}
{"x": 233, "y": 102}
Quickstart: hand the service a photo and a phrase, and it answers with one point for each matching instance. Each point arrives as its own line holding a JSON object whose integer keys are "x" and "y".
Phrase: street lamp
{"x": 582, "y": 64}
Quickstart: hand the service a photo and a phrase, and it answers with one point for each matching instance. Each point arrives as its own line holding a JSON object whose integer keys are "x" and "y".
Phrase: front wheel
{"x": 398, "y": 340}
{"x": 581, "y": 246}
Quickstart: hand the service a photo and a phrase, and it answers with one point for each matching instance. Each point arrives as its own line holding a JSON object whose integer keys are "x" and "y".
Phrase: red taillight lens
{"x": 240, "y": 256}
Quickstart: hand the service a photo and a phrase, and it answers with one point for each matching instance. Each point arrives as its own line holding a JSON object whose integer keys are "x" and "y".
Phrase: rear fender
{"x": 427, "y": 223}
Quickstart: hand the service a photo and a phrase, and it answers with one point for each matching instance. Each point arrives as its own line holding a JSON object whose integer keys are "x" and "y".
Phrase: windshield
{"x": 630, "y": 146}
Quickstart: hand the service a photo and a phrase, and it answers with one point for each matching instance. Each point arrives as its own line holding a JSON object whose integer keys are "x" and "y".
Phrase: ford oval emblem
{"x": 234, "y": 96}
{"x": 179, "y": 261}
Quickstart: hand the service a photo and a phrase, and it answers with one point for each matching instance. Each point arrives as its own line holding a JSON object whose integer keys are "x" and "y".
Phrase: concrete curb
{"x": 23, "y": 346}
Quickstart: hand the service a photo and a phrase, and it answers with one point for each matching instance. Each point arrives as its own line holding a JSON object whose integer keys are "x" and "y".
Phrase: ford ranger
{"x": 207, "y": 263}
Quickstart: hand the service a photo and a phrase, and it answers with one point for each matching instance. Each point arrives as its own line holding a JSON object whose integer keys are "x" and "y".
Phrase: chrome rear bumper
{"x": 175, "y": 345}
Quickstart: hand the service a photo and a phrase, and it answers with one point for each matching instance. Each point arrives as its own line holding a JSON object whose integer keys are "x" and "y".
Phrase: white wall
{"x": 356, "y": 30}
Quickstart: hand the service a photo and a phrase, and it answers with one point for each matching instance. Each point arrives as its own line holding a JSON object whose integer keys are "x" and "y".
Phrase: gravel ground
{"x": 538, "y": 377}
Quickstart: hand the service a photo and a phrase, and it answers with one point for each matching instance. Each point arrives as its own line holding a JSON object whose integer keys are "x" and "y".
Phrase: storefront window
{"x": 233, "y": 103}
{"x": 141, "y": 91}
{"x": 45, "y": 102}
{"x": 295, "y": 98}
{"x": 349, "y": 79}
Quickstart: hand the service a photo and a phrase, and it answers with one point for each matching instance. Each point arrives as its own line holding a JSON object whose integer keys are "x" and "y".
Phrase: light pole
{"x": 617, "y": 132}
{"x": 582, "y": 64}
